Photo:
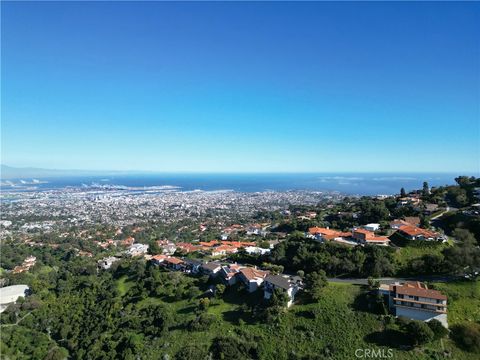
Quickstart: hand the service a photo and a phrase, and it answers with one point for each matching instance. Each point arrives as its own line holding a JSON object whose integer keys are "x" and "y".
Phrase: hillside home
{"x": 173, "y": 263}
{"x": 211, "y": 268}
{"x": 106, "y": 263}
{"x": 414, "y": 300}
{"x": 252, "y": 278}
{"x": 366, "y": 237}
{"x": 415, "y": 233}
{"x": 137, "y": 250}
{"x": 290, "y": 284}
{"x": 228, "y": 273}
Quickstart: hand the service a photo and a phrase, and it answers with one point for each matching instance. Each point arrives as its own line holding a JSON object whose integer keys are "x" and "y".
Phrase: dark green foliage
{"x": 191, "y": 352}
{"x": 232, "y": 348}
{"x": 315, "y": 282}
{"x": 419, "y": 332}
{"x": 202, "y": 322}
{"x": 463, "y": 258}
{"x": 335, "y": 259}
{"x": 439, "y": 331}
{"x": 467, "y": 336}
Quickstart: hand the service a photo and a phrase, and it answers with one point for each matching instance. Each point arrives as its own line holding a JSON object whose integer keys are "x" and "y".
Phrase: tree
{"x": 315, "y": 282}
{"x": 426, "y": 189}
{"x": 439, "y": 331}
{"x": 467, "y": 336}
{"x": 203, "y": 304}
{"x": 373, "y": 284}
{"x": 219, "y": 290}
{"x": 419, "y": 332}
{"x": 402, "y": 192}
{"x": 464, "y": 257}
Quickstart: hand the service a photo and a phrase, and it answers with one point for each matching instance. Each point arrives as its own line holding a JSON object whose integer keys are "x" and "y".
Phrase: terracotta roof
{"x": 415, "y": 231}
{"x": 173, "y": 260}
{"x": 252, "y": 274}
{"x": 417, "y": 289}
{"x": 159, "y": 257}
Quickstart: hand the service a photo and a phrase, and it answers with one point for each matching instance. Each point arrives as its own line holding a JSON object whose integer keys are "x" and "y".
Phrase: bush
{"x": 202, "y": 322}
{"x": 191, "y": 353}
{"x": 439, "y": 331}
{"x": 467, "y": 336}
{"x": 419, "y": 332}
{"x": 232, "y": 349}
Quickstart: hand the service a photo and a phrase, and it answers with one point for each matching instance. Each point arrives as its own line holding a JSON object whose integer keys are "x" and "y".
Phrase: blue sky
{"x": 232, "y": 87}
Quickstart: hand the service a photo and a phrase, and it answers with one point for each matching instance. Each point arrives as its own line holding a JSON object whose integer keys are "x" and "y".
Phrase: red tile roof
{"x": 417, "y": 289}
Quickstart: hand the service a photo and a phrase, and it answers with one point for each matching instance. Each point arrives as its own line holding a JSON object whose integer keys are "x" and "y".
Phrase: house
{"x": 228, "y": 273}
{"x": 372, "y": 227}
{"x": 188, "y": 248}
{"x": 366, "y": 237}
{"x": 192, "y": 266}
{"x": 414, "y": 300}
{"x": 211, "y": 268}
{"x": 415, "y": 233}
{"x": 290, "y": 284}
{"x": 412, "y": 220}
{"x": 173, "y": 263}
{"x": 323, "y": 234}
{"x": 252, "y": 278}
{"x": 257, "y": 250}
{"x": 158, "y": 259}
{"x": 137, "y": 250}
{"x": 223, "y": 250}
{"x": 27, "y": 264}
{"x": 397, "y": 223}
{"x": 169, "y": 249}
{"x": 106, "y": 263}
{"x": 430, "y": 209}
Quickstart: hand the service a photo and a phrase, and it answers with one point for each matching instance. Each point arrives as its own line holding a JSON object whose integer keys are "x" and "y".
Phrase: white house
{"x": 252, "y": 278}
{"x": 137, "y": 249}
{"x": 106, "y": 263}
{"x": 290, "y": 284}
{"x": 256, "y": 250}
{"x": 372, "y": 227}
{"x": 414, "y": 300}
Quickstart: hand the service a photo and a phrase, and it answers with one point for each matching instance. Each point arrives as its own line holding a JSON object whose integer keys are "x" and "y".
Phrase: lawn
{"x": 404, "y": 255}
{"x": 124, "y": 284}
{"x": 463, "y": 300}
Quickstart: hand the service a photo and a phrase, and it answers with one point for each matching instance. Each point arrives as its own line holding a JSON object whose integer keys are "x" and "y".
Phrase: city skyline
{"x": 241, "y": 87}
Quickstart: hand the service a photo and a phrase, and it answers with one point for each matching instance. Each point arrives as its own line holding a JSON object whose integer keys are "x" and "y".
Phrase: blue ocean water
{"x": 346, "y": 183}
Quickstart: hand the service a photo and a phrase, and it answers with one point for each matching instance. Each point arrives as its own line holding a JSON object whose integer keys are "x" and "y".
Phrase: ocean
{"x": 345, "y": 183}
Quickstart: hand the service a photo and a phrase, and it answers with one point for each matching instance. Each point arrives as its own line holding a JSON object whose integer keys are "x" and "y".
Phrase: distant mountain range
{"x": 10, "y": 172}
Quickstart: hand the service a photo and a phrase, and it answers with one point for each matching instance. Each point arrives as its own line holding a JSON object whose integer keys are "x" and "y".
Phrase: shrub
{"x": 202, "y": 322}
{"x": 467, "y": 336}
{"x": 419, "y": 332}
{"x": 439, "y": 331}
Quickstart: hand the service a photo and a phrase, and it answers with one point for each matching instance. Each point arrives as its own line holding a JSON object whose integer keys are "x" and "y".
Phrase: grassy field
{"x": 333, "y": 328}
{"x": 404, "y": 255}
{"x": 463, "y": 300}
{"x": 124, "y": 284}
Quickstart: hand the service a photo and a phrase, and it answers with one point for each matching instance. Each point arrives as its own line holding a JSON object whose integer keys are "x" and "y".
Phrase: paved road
{"x": 388, "y": 280}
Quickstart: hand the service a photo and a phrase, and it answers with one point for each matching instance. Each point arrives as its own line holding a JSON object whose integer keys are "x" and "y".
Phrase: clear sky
{"x": 369, "y": 86}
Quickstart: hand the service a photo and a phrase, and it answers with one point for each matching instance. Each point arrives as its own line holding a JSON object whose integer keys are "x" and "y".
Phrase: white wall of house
{"x": 418, "y": 314}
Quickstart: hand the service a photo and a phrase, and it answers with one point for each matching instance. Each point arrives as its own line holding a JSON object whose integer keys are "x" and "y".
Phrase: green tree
{"x": 315, "y": 282}
{"x": 439, "y": 331}
{"x": 402, "y": 192}
{"x": 467, "y": 336}
{"x": 219, "y": 290}
{"x": 419, "y": 332}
